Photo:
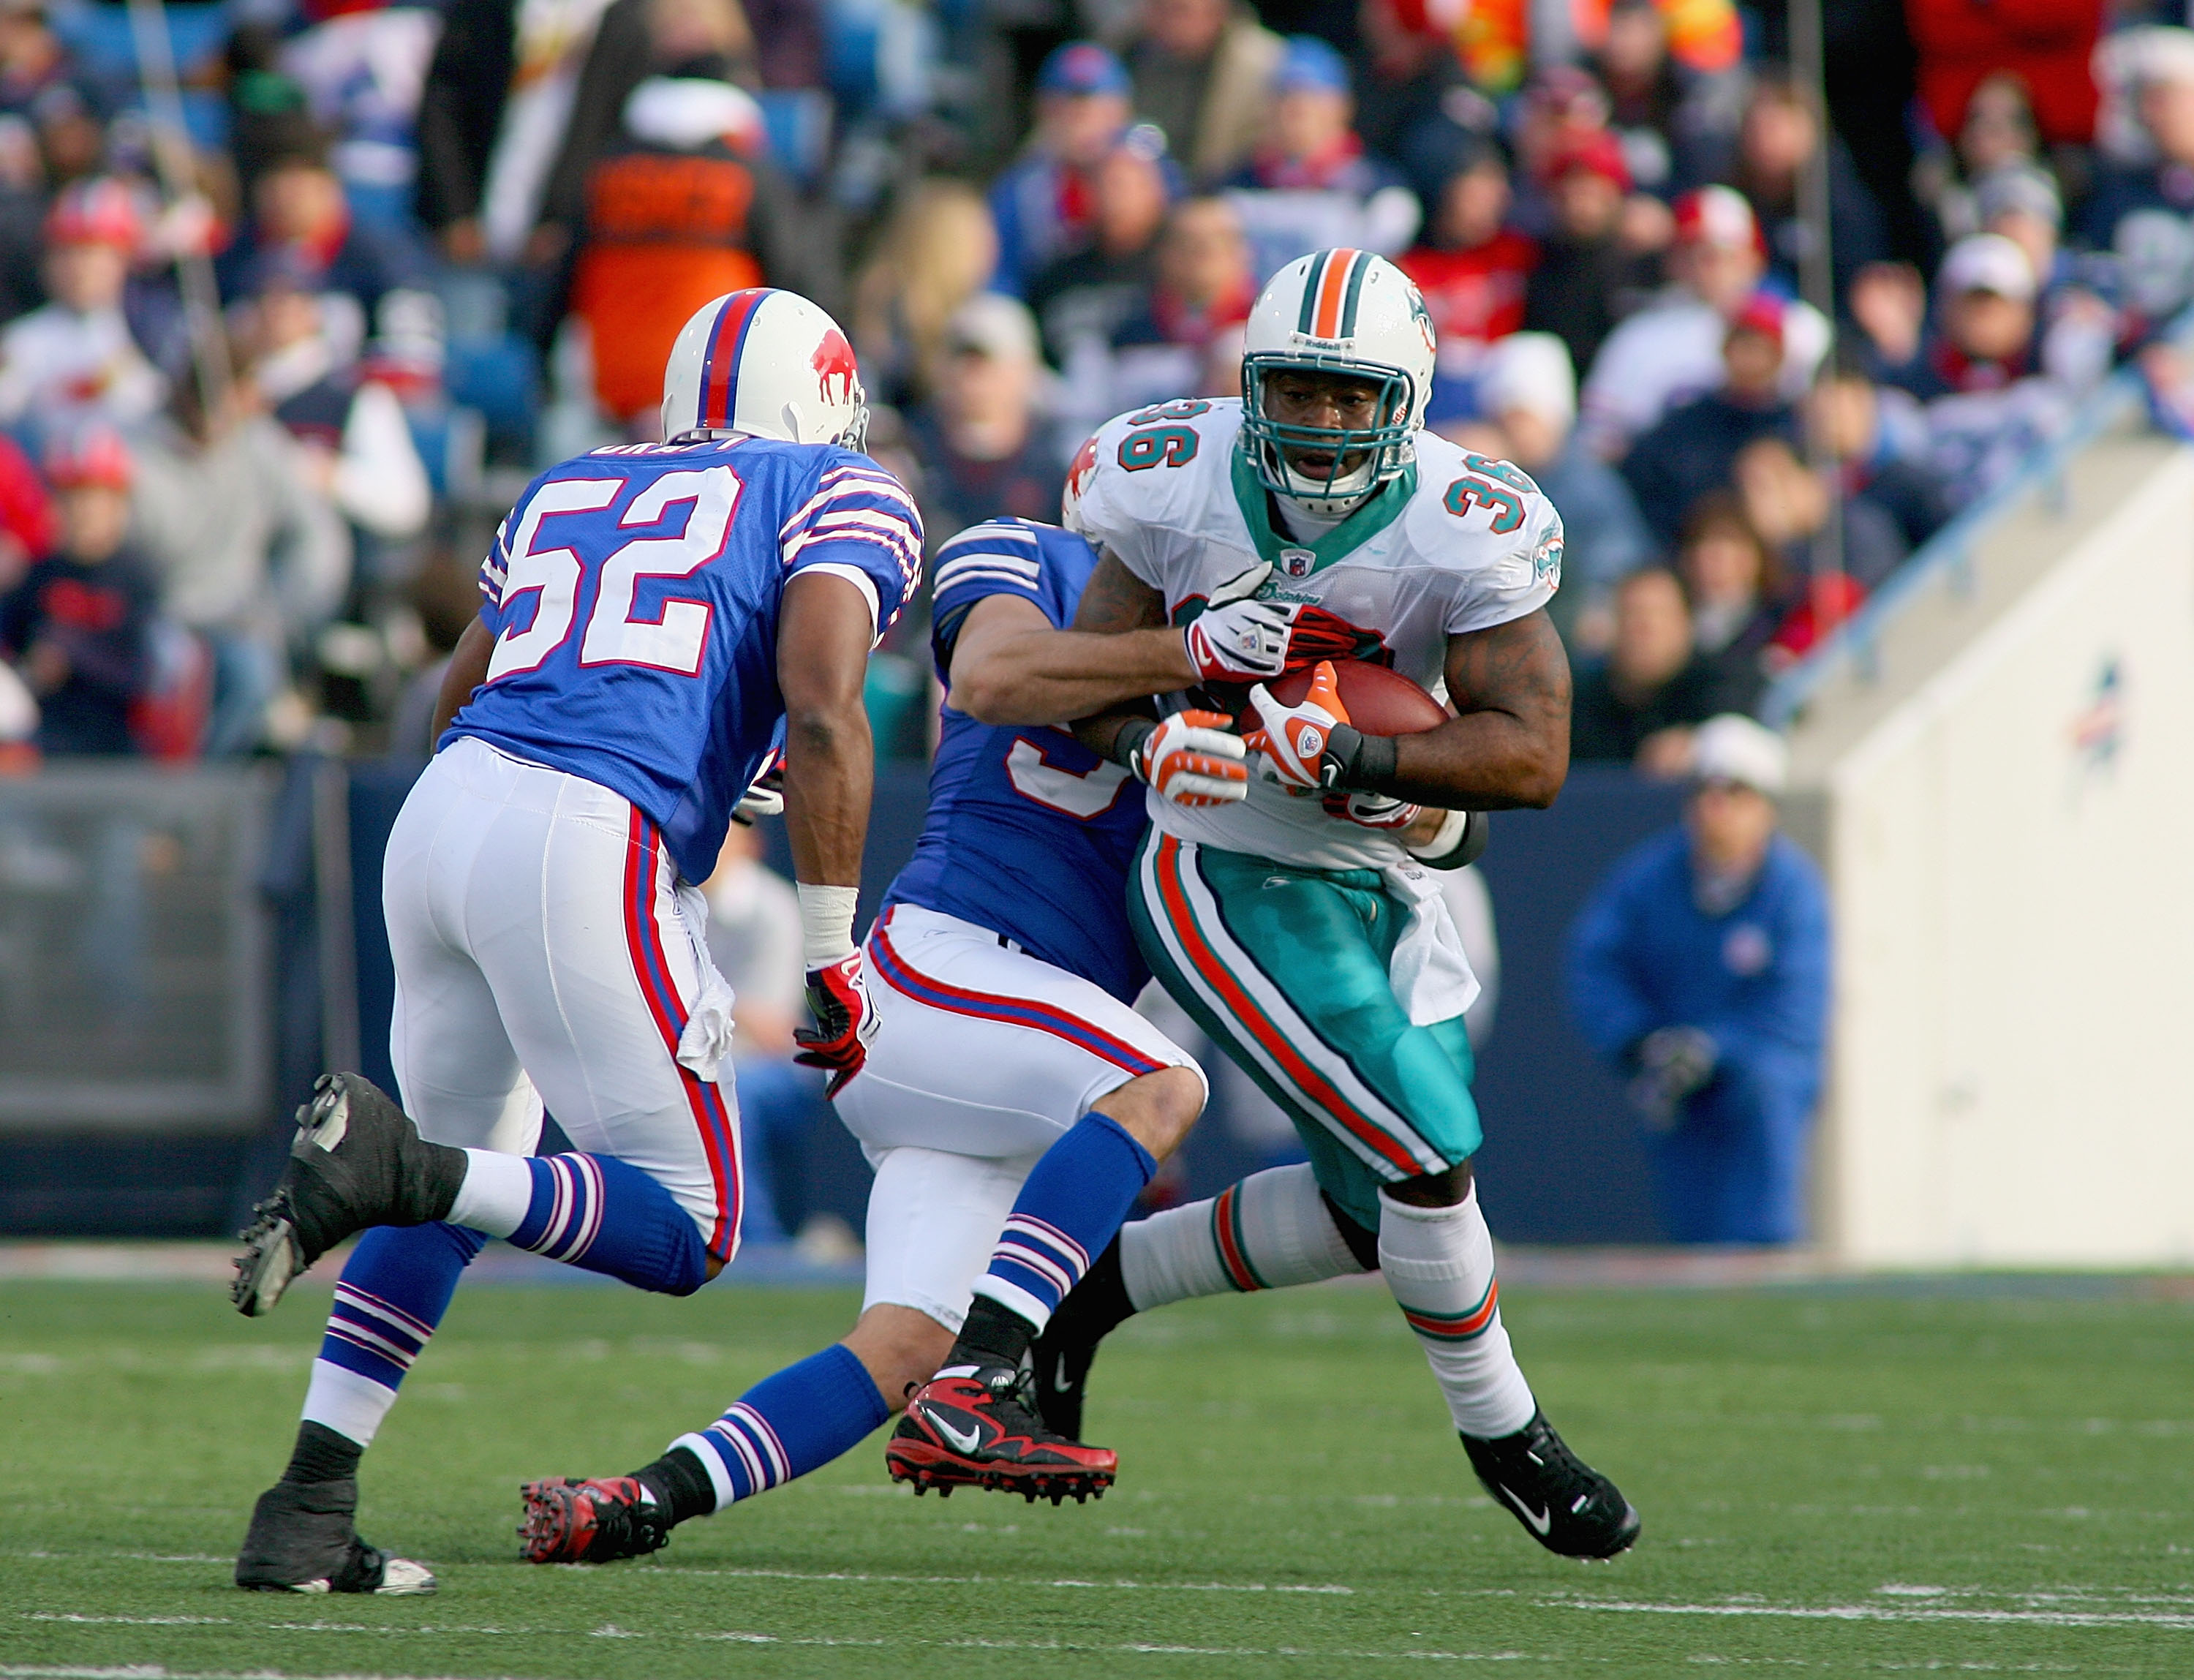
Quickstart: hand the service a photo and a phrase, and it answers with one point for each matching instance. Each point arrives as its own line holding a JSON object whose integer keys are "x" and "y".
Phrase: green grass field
{"x": 1990, "y": 1478}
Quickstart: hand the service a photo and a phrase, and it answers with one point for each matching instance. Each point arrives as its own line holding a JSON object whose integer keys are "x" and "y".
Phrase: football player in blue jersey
{"x": 1008, "y": 1075}
{"x": 652, "y": 616}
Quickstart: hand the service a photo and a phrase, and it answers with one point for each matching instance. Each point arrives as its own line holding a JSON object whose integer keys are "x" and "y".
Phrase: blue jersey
{"x": 1030, "y": 834}
{"x": 633, "y": 595}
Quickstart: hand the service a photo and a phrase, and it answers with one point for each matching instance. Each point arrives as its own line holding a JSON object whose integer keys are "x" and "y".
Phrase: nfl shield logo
{"x": 1298, "y": 561}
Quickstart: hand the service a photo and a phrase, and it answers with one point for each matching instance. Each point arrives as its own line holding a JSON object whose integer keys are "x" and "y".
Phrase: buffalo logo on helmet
{"x": 834, "y": 360}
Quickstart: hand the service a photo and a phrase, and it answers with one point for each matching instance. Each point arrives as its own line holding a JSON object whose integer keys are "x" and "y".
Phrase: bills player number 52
{"x": 676, "y": 639}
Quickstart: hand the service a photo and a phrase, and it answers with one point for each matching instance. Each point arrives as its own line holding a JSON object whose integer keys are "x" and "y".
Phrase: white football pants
{"x": 984, "y": 1057}
{"x": 543, "y": 956}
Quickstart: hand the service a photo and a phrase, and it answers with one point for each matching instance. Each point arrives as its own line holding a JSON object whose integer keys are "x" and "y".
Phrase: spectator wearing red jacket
{"x": 1474, "y": 269}
{"x": 2046, "y": 43}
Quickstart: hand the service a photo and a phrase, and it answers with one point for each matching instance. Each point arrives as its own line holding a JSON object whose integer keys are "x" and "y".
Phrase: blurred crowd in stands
{"x": 267, "y": 384}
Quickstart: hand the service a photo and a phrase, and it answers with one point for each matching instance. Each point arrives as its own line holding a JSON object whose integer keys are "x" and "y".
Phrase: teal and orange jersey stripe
{"x": 1466, "y": 1326}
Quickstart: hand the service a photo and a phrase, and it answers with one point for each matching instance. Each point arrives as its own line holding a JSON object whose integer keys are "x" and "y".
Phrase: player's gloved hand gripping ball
{"x": 1237, "y": 638}
{"x": 1312, "y": 746}
{"x": 1309, "y": 747}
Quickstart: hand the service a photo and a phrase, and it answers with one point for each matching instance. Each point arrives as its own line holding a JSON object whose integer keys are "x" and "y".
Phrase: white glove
{"x": 1194, "y": 758}
{"x": 1239, "y": 639}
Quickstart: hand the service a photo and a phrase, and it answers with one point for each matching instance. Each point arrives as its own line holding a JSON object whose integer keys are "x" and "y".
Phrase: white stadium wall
{"x": 2012, "y": 853}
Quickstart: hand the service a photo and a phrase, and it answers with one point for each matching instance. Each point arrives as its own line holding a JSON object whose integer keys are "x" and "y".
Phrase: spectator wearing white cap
{"x": 1700, "y": 970}
{"x": 984, "y": 441}
{"x": 1527, "y": 388}
{"x": 1671, "y": 351}
{"x": 1984, "y": 336}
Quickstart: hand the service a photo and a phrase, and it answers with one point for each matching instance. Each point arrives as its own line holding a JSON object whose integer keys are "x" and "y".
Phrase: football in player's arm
{"x": 1298, "y": 926}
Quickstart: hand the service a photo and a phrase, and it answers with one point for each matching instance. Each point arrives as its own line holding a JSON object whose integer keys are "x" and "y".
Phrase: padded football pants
{"x": 1287, "y": 968}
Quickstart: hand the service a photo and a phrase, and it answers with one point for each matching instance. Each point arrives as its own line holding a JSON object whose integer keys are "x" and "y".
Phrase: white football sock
{"x": 1439, "y": 1265}
{"x": 498, "y": 1190}
{"x": 346, "y": 1402}
{"x": 1270, "y": 1230}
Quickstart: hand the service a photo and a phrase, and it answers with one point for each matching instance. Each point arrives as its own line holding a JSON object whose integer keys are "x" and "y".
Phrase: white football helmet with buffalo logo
{"x": 1338, "y": 311}
{"x": 767, "y": 364}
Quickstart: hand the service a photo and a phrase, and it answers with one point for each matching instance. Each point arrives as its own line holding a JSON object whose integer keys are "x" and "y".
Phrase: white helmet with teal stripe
{"x": 1343, "y": 313}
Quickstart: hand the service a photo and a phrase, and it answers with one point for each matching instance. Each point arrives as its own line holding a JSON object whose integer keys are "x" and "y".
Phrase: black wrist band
{"x": 1366, "y": 761}
{"x": 1128, "y": 744}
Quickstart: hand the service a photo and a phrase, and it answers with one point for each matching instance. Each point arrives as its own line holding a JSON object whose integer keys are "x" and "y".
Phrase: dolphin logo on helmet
{"x": 763, "y": 363}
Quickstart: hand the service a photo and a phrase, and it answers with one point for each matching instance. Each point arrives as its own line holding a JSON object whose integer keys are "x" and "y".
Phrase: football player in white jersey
{"x": 1298, "y": 926}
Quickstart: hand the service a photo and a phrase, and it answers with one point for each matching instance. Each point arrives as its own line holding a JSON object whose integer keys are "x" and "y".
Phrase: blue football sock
{"x": 1068, "y": 1211}
{"x": 394, "y": 1291}
{"x": 788, "y": 1424}
{"x": 603, "y": 1215}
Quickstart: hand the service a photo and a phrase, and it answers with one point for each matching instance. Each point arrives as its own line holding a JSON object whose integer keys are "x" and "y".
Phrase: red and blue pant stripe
{"x": 712, "y": 1115}
{"x": 1031, "y": 1012}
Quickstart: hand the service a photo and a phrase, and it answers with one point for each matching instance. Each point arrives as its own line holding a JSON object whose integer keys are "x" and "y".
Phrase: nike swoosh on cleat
{"x": 1540, "y": 1521}
{"x": 965, "y": 1443}
{"x": 1061, "y": 1382}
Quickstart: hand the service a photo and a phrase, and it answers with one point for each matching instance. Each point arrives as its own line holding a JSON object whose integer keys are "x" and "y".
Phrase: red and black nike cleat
{"x": 595, "y": 1521}
{"x": 976, "y": 1426}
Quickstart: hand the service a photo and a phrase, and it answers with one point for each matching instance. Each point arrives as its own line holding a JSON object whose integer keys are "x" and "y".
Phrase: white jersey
{"x": 1457, "y": 543}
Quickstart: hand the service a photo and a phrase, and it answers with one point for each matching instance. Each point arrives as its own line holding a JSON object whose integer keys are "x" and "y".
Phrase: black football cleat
{"x": 357, "y": 1161}
{"x": 303, "y": 1539}
{"x": 1058, "y": 1377}
{"x": 977, "y": 1426}
{"x": 595, "y": 1521}
{"x": 1565, "y": 1505}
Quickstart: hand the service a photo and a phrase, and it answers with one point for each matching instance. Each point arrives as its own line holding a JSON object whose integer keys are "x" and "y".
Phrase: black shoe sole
{"x": 273, "y": 1259}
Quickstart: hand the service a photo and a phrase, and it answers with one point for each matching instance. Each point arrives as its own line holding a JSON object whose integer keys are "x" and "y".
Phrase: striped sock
{"x": 788, "y": 1425}
{"x": 394, "y": 1289}
{"x": 603, "y": 1215}
{"x": 1269, "y": 1231}
{"x": 1069, "y": 1209}
{"x": 1439, "y": 1265}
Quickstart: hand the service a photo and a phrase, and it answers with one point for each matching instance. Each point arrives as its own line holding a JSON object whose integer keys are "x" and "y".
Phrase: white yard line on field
{"x": 1004, "y": 1580}
{"x": 155, "y": 1671}
{"x": 1879, "y": 1613}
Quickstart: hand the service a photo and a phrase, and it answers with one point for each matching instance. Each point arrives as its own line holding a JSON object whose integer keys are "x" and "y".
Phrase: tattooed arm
{"x": 1114, "y": 601}
{"x": 1509, "y": 745}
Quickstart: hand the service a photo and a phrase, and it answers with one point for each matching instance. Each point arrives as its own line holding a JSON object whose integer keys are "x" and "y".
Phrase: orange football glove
{"x": 1194, "y": 758}
{"x": 1297, "y": 740}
